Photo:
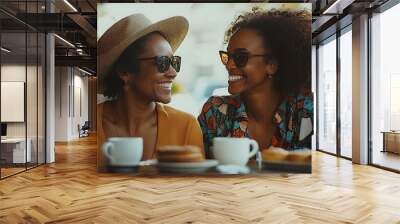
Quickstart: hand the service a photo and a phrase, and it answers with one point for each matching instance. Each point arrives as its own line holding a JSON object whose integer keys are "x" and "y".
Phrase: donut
{"x": 303, "y": 156}
{"x": 187, "y": 153}
{"x": 274, "y": 154}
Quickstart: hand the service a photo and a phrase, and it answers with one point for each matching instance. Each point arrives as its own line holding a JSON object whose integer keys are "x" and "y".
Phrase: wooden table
{"x": 255, "y": 169}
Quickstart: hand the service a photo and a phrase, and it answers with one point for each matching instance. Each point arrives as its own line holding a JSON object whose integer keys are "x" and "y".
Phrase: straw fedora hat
{"x": 127, "y": 30}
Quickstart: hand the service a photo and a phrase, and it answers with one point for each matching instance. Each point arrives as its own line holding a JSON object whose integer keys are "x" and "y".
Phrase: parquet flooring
{"x": 71, "y": 191}
{"x": 387, "y": 159}
{"x": 10, "y": 171}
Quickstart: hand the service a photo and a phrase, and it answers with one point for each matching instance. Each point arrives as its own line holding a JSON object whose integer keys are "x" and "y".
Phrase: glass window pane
{"x": 385, "y": 89}
{"x": 327, "y": 96}
{"x": 23, "y": 87}
{"x": 31, "y": 97}
{"x": 13, "y": 87}
{"x": 41, "y": 98}
{"x": 346, "y": 94}
{"x": 314, "y": 90}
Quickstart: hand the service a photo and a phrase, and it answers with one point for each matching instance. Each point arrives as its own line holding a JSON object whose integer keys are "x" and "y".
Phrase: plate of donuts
{"x": 187, "y": 159}
{"x": 298, "y": 161}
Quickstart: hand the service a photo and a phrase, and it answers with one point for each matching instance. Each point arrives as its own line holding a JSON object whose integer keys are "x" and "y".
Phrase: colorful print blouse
{"x": 225, "y": 116}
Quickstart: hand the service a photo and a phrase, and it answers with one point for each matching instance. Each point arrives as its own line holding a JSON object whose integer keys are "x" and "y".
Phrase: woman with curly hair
{"x": 268, "y": 60}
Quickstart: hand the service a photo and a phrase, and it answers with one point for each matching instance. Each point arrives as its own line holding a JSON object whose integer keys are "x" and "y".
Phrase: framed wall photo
{"x": 182, "y": 87}
{"x": 12, "y": 101}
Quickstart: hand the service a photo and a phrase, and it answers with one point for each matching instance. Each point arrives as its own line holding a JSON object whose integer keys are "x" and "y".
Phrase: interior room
{"x": 48, "y": 150}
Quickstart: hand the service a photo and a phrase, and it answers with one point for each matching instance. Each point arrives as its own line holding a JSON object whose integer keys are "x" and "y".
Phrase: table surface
{"x": 255, "y": 169}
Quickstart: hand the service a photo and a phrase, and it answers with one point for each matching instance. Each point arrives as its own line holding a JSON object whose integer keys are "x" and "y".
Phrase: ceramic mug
{"x": 235, "y": 151}
{"x": 123, "y": 151}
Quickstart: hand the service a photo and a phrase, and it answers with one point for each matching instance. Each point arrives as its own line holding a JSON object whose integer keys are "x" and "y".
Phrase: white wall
{"x": 61, "y": 103}
{"x": 16, "y": 73}
{"x": 71, "y": 94}
{"x": 33, "y": 126}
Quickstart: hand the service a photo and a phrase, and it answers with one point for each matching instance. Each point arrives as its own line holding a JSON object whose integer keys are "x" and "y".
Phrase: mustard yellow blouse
{"x": 174, "y": 128}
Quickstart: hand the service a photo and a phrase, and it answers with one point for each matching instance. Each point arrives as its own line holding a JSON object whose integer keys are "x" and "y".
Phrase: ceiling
{"x": 77, "y": 24}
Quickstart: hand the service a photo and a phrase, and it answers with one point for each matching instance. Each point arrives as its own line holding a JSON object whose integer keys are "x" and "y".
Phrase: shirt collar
{"x": 240, "y": 112}
{"x": 161, "y": 112}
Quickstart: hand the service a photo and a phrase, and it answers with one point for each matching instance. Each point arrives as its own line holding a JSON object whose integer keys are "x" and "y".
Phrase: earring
{"x": 126, "y": 85}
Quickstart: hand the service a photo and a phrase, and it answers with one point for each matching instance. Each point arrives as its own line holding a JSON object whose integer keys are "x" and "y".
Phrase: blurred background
{"x": 202, "y": 73}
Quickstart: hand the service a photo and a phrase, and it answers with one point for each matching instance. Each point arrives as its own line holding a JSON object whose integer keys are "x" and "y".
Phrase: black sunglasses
{"x": 163, "y": 62}
{"x": 239, "y": 57}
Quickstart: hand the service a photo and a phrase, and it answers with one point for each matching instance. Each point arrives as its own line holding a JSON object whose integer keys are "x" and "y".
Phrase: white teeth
{"x": 235, "y": 77}
{"x": 166, "y": 85}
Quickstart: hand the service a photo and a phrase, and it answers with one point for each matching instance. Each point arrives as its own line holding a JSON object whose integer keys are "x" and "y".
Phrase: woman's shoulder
{"x": 305, "y": 95}
{"x": 232, "y": 100}
{"x": 302, "y": 100}
{"x": 174, "y": 113}
{"x": 222, "y": 104}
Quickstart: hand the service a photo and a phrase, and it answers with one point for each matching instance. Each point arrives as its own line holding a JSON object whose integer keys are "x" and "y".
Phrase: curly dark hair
{"x": 125, "y": 63}
{"x": 288, "y": 35}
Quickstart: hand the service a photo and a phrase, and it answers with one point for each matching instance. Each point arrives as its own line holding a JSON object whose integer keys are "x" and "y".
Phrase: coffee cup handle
{"x": 254, "y": 147}
{"x": 107, "y": 147}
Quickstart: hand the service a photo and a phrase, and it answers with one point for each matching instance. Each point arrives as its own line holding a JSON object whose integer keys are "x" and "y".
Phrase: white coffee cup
{"x": 235, "y": 151}
{"x": 123, "y": 151}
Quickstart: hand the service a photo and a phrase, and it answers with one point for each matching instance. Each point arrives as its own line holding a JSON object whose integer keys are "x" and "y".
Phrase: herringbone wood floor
{"x": 71, "y": 191}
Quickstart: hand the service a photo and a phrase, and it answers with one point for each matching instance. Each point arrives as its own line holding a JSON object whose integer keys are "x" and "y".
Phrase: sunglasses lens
{"x": 224, "y": 57}
{"x": 163, "y": 63}
{"x": 240, "y": 59}
{"x": 176, "y": 63}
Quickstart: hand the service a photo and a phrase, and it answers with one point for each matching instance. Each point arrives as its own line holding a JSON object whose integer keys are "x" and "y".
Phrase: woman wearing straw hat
{"x": 137, "y": 67}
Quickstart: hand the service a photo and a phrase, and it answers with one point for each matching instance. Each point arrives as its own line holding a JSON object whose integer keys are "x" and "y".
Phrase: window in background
{"x": 31, "y": 96}
{"x": 327, "y": 95}
{"x": 385, "y": 87}
{"x": 15, "y": 149}
{"x": 346, "y": 94}
{"x": 314, "y": 90}
{"x": 22, "y": 76}
{"x": 394, "y": 101}
{"x": 41, "y": 85}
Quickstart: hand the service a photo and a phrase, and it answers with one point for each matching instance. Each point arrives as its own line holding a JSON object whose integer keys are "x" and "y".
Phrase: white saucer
{"x": 187, "y": 167}
{"x": 233, "y": 169}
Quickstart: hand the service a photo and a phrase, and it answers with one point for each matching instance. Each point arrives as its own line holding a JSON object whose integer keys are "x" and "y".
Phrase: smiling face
{"x": 149, "y": 83}
{"x": 256, "y": 71}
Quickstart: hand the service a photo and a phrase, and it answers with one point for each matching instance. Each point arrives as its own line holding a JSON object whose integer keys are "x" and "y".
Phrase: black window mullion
{"x": 37, "y": 90}
{"x": 316, "y": 96}
{"x": 369, "y": 92}
{"x": 26, "y": 87}
{"x": 338, "y": 100}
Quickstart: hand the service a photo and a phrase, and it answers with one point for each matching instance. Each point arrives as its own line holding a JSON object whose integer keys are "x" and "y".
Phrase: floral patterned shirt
{"x": 225, "y": 116}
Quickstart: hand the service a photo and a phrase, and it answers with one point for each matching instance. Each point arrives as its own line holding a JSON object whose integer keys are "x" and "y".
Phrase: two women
{"x": 268, "y": 62}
